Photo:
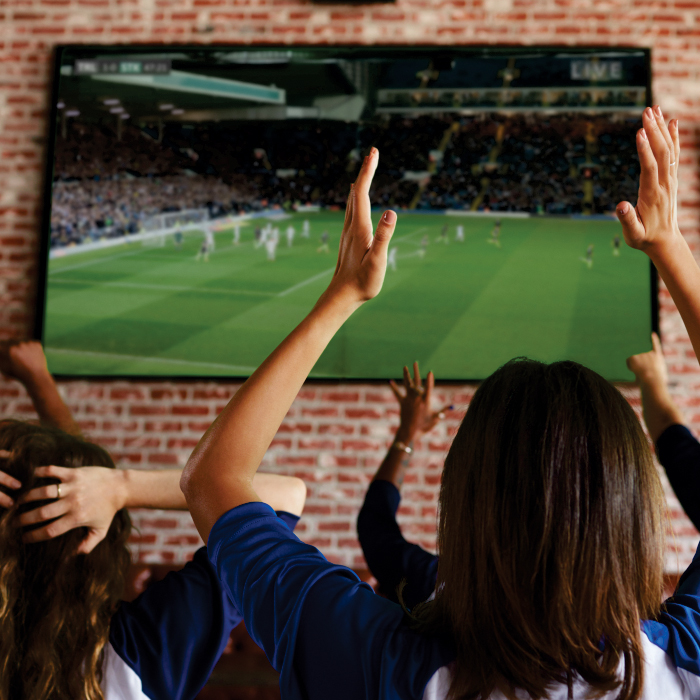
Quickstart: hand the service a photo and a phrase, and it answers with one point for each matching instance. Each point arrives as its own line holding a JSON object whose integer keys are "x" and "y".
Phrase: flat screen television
{"x": 195, "y": 201}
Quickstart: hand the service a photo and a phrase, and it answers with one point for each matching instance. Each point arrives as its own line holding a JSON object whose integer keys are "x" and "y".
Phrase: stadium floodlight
{"x": 124, "y": 116}
{"x": 166, "y": 107}
{"x": 61, "y": 105}
{"x": 116, "y": 110}
{"x": 177, "y": 111}
{"x": 72, "y": 112}
{"x": 110, "y": 102}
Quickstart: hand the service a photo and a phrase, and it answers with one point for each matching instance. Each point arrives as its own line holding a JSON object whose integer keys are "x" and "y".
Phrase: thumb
{"x": 632, "y": 227}
{"x": 384, "y": 232}
{"x": 93, "y": 538}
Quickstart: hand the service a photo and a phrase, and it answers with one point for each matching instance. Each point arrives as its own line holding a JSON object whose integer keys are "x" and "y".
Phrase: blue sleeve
{"x": 679, "y": 454}
{"x": 677, "y": 629}
{"x": 326, "y": 632}
{"x": 173, "y": 634}
{"x": 390, "y": 558}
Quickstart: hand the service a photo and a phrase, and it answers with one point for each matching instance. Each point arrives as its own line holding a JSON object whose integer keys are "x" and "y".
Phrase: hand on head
{"x": 649, "y": 368}
{"x": 362, "y": 257}
{"x": 416, "y": 415}
{"x": 655, "y": 218}
{"x": 22, "y": 360}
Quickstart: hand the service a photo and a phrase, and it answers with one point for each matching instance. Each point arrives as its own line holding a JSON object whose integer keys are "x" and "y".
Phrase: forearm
{"x": 678, "y": 269}
{"x": 49, "y": 405}
{"x": 397, "y": 460}
{"x": 152, "y": 489}
{"x": 659, "y": 410}
{"x": 219, "y": 474}
{"x": 161, "y": 489}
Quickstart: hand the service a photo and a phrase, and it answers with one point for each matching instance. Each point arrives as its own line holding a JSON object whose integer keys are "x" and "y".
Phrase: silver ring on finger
{"x": 674, "y": 162}
{"x": 58, "y": 490}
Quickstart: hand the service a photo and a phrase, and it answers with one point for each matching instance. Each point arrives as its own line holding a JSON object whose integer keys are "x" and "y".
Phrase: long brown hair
{"x": 550, "y": 537}
{"x": 55, "y": 605}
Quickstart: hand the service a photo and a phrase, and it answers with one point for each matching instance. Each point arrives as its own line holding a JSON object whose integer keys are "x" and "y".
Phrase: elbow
{"x": 298, "y": 496}
{"x": 187, "y": 481}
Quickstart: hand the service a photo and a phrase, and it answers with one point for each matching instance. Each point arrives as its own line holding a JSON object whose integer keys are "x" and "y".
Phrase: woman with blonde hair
{"x": 65, "y": 633}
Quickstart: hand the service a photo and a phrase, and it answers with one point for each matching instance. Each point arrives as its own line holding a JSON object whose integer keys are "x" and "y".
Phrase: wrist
{"x": 405, "y": 434}
{"x": 123, "y": 487}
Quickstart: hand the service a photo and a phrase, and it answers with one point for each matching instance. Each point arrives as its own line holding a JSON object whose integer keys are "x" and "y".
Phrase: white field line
{"x": 134, "y": 252}
{"x": 169, "y": 288}
{"x": 158, "y": 360}
{"x": 305, "y": 282}
{"x": 87, "y": 263}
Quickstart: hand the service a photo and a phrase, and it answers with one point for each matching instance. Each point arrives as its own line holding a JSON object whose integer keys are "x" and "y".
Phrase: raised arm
{"x": 390, "y": 557}
{"x": 659, "y": 409}
{"x": 219, "y": 474}
{"x": 652, "y": 226}
{"x": 25, "y": 361}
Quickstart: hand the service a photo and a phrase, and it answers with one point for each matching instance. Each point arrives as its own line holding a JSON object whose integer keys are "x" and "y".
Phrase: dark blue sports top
{"x": 165, "y": 643}
{"x": 330, "y": 636}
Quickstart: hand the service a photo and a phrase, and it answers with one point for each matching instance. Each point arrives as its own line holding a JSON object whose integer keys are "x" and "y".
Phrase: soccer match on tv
{"x": 198, "y": 197}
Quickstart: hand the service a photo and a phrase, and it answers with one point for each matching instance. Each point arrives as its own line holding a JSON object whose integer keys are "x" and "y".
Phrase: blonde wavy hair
{"x": 55, "y": 605}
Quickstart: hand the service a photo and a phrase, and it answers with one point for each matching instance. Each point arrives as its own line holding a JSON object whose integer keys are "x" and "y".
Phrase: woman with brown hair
{"x": 64, "y": 632}
{"x": 550, "y": 528}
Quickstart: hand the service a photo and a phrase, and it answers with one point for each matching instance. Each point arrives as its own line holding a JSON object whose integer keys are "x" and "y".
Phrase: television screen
{"x": 196, "y": 199}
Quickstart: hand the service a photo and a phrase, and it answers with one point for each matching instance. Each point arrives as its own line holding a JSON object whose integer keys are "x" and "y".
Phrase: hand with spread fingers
{"x": 362, "y": 257}
{"x": 84, "y": 497}
{"x": 655, "y": 218}
{"x": 415, "y": 400}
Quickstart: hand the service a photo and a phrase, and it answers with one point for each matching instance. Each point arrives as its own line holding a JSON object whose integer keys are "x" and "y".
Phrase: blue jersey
{"x": 330, "y": 636}
{"x": 164, "y": 644}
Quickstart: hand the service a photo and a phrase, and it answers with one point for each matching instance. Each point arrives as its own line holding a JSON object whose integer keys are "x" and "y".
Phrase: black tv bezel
{"x": 44, "y": 233}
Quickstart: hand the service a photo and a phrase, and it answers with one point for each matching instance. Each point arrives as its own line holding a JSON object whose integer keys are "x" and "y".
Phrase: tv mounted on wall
{"x": 195, "y": 201}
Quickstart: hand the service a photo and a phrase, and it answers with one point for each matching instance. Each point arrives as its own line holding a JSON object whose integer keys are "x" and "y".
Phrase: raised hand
{"x": 23, "y": 360}
{"x": 655, "y": 218}
{"x": 415, "y": 400}
{"x": 361, "y": 266}
{"x": 649, "y": 368}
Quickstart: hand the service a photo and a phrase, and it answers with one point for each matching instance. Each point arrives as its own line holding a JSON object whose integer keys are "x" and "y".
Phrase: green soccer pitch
{"x": 460, "y": 308}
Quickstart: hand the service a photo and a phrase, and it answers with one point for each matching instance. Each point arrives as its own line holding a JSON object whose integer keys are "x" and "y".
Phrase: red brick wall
{"x": 334, "y": 436}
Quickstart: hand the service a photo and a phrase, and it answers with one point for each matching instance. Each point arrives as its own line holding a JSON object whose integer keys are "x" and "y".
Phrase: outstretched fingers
{"x": 361, "y": 205}
{"x": 659, "y": 141}
{"x": 382, "y": 236}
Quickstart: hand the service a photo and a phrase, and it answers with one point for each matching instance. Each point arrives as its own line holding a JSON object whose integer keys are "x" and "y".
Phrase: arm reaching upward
{"x": 652, "y": 226}
{"x": 219, "y": 474}
{"x": 651, "y": 374}
{"x": 25, "y": 361}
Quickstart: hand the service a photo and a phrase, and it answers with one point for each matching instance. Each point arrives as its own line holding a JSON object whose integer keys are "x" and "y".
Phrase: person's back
{"x": 551, "y": 535}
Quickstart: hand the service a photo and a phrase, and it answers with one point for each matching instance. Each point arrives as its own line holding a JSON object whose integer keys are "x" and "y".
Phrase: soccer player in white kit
{"x": 271, "y": 244}
{"x": 290, "y": 235}
{"x": 209, "y": 238}
{"x": 236, "y": 234}
{"x": 305, "y": 229}
{"x": 391, "y": 260}
{"x": 460, "y": 234}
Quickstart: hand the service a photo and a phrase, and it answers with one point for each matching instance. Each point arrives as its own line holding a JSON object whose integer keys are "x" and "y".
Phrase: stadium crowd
{"x": 107, "y": 187}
